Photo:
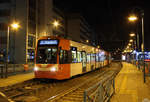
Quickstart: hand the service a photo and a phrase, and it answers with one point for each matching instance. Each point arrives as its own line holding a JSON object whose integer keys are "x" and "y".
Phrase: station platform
{"x": 129, "y": 85}
{"x": 11, "y": 80}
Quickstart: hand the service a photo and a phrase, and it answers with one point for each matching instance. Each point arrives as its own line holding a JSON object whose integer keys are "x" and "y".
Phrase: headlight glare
{"x": 36, "y": 68}
{"x": 53, "y": 69}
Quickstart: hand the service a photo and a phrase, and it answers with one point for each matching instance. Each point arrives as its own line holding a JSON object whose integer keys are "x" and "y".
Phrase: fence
{"x": 14, "y": 69}
{"x": 144, "y": 66}
{"x": 102, "y": 91}
{"x": 140, "y": 66}
{"x": 1, "y": 70}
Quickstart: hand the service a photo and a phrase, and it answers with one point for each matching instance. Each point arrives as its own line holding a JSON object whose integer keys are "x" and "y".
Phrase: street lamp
{"x": 134, "y": 18}
{"x": 14, "y": 26}
{"x": 56, "y": 23}
{"x": 132, "y": 35}
{"x": 129, "y": 44}
{"x": 135, "y": 40}
{"x": 131, "y": 40}
{"x": 87, "y": 41}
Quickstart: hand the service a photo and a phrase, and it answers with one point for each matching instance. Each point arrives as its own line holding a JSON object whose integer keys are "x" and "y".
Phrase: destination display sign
{"x": 48, "y": 42}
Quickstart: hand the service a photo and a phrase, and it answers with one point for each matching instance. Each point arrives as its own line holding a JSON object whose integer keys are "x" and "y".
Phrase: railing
{"x": 14, "y": 69}
{"x": 144, "y": 66}
{"x": 102, "y": 91}
{"x": 147, "y": 68}
{"x": 140, "y": 64}
{"x": 2, "y": 70}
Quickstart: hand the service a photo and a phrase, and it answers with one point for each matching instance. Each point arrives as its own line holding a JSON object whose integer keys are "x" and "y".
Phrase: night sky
{"x": 109, "y": 19}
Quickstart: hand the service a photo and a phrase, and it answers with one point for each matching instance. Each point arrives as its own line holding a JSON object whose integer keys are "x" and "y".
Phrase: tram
{"x": 59, "y": 58}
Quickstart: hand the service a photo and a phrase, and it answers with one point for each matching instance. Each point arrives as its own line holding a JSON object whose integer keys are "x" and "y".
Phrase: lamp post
{"x": 143, "y": 45}
{"x": 7, "y": 52}
{"x": 134, "y": 18}
{"x": 14, "y": 26}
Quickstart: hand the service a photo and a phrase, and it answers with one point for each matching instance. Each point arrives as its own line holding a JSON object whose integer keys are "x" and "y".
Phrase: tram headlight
{"x": 36, "y": 68}
{"x": 53, "y": 69}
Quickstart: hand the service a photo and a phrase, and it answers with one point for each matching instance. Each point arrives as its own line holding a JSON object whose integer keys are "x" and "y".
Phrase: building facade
{"x": 60, "y": 17}
{"x": 36, "y": 18}
{"x": 78, "y": 29}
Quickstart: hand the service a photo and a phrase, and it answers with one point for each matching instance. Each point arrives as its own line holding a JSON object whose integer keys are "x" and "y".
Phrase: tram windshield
{"x": 46, "y": 55}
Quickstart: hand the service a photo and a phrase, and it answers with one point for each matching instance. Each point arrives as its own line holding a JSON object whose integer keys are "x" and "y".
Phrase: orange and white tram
{"x": 59, "y": 58}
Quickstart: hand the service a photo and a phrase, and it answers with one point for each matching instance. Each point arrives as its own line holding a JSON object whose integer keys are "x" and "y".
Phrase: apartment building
{"x": 34, "y": 18}
{"x": 77, "y": 28}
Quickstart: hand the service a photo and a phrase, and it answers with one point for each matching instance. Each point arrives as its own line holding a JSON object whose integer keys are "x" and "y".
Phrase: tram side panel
{"x": 64, "y": 59}
{"x": 105, "y": 62}
{"x": 76, "y": 68}
{"x": 97, "y": 65}
{"x": 88, "y": 67}
{"x": 64, "y": 71}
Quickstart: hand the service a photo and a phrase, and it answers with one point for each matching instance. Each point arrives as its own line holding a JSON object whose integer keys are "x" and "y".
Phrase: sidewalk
{"x": 129, "y": 85}
{"x": 11, "y": 80}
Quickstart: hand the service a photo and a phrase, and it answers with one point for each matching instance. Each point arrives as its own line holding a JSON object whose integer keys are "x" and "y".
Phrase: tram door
{"x": 83, "y": 61}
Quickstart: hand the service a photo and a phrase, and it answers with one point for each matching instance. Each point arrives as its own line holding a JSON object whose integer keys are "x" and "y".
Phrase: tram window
{"x": 88, "y": 58}
{"x": 46, "y": 55}
{"x": 79, "y": 56}
{"x": 93, "y": 57}
{"x": 74, "y": 56}
{"x": 49, "y": 54}
{"x": 83, "y": 57}
{"x": 63, "y": 56}
{"x": 54, "y": 53}
{"x": 69, "y": 57}
{"x": 97, "y": 58}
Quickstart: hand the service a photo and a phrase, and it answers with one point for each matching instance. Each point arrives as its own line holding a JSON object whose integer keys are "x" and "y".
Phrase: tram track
{"x": 18, "y": 90}
{"x": 39, "y": 91}
{"x": 75, "y": 94}
{"x": 35, "y": 88}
